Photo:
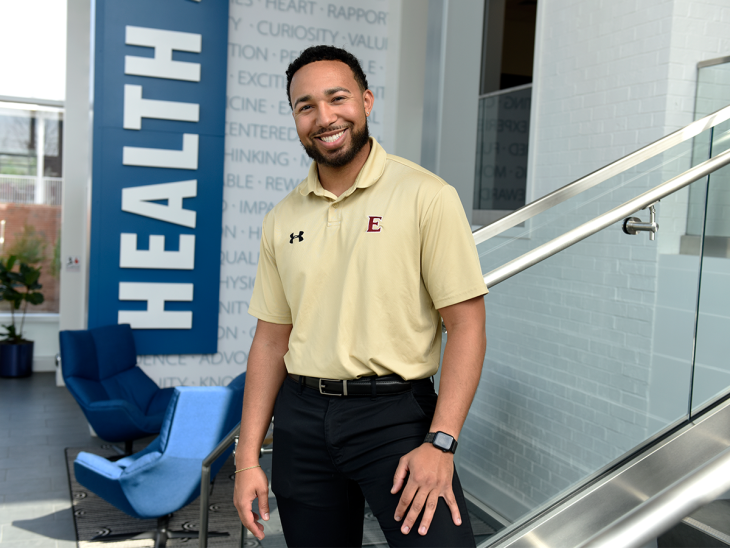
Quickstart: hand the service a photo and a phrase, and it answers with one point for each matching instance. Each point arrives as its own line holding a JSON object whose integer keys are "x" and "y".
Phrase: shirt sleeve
{"x": 449, "y": 260}
{"x": 268, "y": 302}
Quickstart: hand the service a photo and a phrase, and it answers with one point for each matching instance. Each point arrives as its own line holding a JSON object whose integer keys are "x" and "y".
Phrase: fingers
{"x": 426, "y": 502}
{"x": 405, "y": 500}
{"x": 453, "y": 506}
{"x": 246, "y": 491}
{"x": 249, "y": 519}
{"x": 419, "y": 501}
{"x": 400, "y": 476}
{"x": 428, "y": 511}
{"x": 264, "y": 504}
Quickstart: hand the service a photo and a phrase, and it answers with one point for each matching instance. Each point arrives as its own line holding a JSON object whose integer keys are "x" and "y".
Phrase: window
{"x": 503, "y": 126}
{"x": 31, "y": 170}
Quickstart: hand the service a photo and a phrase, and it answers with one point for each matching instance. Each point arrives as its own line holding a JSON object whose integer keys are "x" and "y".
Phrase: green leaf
{"x": 16, "y": 287}
{"x": 35, "y": 298}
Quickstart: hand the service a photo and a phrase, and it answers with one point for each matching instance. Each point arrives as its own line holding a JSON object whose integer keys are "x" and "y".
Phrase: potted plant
{"x": 19, "y": 288}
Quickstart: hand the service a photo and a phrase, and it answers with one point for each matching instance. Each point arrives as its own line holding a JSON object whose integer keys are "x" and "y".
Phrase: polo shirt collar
{"x": 370, "y": 173}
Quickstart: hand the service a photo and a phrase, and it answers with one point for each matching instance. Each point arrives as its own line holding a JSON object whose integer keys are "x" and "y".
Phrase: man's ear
{"x": 368, "y": 100}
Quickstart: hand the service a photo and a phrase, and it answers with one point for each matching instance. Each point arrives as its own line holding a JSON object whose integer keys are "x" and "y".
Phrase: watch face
{"x": 442, "y": 441}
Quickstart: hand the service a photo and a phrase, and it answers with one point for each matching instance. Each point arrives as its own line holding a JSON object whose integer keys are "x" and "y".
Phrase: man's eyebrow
{"x": 327, "y": 92}
{"x": 301, "y": 99}
{"x": 332, "y": 91}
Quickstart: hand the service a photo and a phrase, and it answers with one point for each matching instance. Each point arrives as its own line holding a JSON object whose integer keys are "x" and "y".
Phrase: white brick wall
{"x": 567, "y": 381}
{"x": 565, "y": 384}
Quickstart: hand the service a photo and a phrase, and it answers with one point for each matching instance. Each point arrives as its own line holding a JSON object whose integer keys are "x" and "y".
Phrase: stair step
{"x": 713, "y": 519}
{"x": 708, "y": 527}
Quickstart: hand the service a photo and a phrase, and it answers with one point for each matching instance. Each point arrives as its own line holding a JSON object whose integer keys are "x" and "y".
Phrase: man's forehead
{"x": 320, "y": 76}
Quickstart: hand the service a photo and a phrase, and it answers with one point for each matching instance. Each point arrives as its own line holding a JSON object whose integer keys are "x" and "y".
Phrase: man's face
{"x": 330, "y": 112}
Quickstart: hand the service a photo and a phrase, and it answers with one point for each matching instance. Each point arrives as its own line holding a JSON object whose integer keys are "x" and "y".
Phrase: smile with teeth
{"x": 332, "y": 138}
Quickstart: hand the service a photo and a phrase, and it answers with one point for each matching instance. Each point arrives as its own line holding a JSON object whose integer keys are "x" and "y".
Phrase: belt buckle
{"x": 321, "y": 388}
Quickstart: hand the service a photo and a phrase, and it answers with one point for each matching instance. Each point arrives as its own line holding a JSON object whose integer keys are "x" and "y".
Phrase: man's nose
{"x": 326, "y": 116}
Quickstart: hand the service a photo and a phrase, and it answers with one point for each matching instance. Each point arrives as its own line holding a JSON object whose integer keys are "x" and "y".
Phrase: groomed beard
{"x": 359, "y": 140}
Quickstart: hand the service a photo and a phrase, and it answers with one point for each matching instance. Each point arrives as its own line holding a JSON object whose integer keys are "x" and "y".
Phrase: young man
{"x": 358, "y": 265}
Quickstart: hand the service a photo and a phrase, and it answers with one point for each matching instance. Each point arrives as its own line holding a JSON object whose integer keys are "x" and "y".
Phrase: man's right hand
{"x": 250, "y": 485}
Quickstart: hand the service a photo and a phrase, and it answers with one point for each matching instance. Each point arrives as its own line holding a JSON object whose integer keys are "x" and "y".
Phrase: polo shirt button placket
{"x": 333, "y": 218}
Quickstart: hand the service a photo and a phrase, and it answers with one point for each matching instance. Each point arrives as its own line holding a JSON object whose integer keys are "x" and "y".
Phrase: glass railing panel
{"x": 712, "y": 368}
{"x": 579, "y": 209}
{"x": 710, "y": 227}
{"x": 589, "y": 355}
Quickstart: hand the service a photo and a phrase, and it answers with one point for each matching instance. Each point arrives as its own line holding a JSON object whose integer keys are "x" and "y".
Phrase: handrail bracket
{"x": 634, "y": 225}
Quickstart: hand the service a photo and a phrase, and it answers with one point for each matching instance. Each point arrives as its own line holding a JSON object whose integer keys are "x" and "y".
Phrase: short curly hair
{"x": 325, "y": 53}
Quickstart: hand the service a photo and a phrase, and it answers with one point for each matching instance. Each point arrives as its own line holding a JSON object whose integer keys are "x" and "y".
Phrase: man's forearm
{"x": 461, "y": 368}
{"x": 265, "y": 374}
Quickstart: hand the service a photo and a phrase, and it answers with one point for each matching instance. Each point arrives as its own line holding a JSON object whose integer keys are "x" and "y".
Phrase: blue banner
{"x": 157, "y": 189}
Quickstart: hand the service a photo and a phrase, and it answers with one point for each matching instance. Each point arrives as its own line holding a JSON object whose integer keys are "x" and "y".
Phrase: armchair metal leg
{"x": 162, "y": 532}
{"x": 205, "y": 482}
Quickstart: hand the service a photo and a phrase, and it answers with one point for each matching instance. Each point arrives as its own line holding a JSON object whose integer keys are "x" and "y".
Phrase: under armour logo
{"x": 300, "y": 236}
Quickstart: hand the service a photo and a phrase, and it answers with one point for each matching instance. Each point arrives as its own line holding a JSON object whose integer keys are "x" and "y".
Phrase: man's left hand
{"x": 430, "y": 472}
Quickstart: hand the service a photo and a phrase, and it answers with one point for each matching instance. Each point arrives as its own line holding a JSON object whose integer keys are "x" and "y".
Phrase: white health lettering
{"x": 187, "y": 158}
{"x": 156, "y": 256}
{"x": 162, "y": 65}
{"x": 156, "y": 294}
{"x": 136, "y": 108}
{"x": 138, "y": 200}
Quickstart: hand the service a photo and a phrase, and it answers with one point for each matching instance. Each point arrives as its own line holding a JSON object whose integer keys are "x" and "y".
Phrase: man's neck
{"x": 338, "y": 179}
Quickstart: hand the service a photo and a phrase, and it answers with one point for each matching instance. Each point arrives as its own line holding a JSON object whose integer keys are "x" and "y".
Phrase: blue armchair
{"x": 165, "y": 476}
{"x": 100, "y": 370}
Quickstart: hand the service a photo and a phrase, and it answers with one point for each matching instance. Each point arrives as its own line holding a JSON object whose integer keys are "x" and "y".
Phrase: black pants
{"x": 330, "y": 451}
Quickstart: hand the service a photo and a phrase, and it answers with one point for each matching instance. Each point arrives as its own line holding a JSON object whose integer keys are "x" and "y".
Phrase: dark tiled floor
{"x": 37, "y": 422}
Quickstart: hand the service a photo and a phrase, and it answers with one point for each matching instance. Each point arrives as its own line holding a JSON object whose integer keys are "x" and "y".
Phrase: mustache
{"x": 328, "y": 129}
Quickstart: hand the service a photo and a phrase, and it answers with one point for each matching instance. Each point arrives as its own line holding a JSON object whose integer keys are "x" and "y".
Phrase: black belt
{"x": 367, "y": 386}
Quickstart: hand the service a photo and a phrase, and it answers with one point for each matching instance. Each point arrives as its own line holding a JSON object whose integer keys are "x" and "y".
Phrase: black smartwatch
{"x": 442, "y": 441}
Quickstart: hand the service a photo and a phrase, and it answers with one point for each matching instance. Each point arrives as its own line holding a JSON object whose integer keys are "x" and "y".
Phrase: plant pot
{"x": 16, "y": 360}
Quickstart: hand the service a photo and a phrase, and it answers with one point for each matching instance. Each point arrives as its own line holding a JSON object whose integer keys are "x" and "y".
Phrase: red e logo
{"x": 373, "y": 225}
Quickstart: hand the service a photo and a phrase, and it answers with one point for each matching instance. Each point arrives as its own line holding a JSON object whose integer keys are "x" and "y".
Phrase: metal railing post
{"x": 205, "y": 482}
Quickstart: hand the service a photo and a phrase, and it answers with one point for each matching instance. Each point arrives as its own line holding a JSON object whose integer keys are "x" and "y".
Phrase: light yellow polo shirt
{"x": 361, "y": 276}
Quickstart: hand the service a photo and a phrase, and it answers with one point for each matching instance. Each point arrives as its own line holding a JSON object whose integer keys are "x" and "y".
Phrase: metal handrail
{"x": 205, "y": 482}
{"x": 668, "y": 507}
{"x": 576, "y": 187}
{"x": 602, "y": 221}
{"x": 713, "y": 62}
{"x": 504, "y": 91}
